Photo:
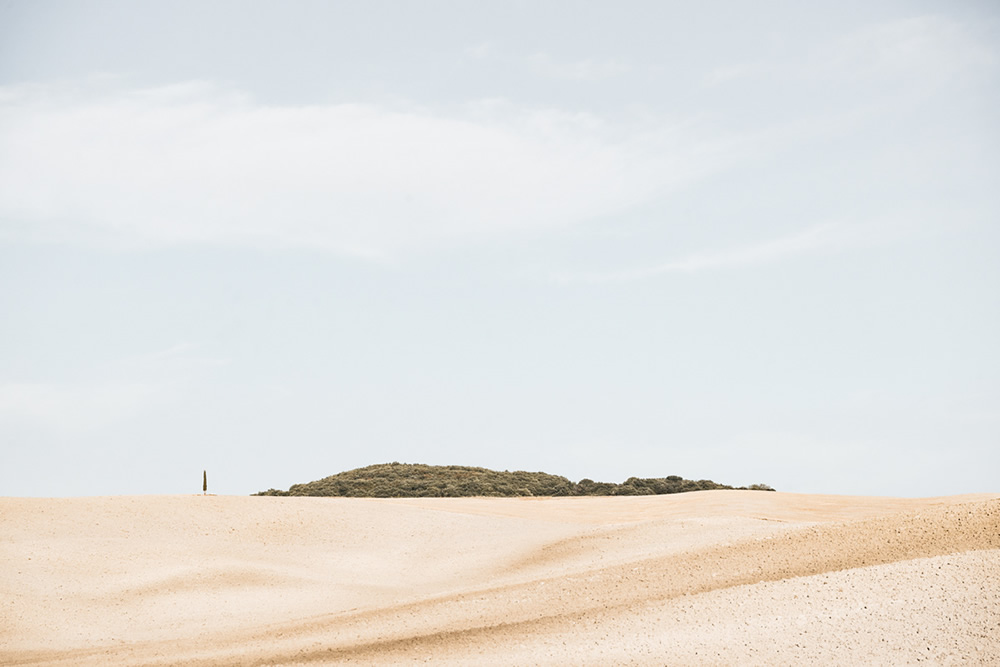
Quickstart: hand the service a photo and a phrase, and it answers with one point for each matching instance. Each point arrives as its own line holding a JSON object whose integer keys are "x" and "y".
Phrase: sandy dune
{"x": 714, "y": 577}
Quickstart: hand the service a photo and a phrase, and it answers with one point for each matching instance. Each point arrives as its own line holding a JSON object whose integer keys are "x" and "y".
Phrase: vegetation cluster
{"x": 409, "y": 480}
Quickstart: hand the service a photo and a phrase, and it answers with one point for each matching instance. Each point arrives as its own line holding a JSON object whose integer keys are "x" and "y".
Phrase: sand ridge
{"x": 225, "y": 580}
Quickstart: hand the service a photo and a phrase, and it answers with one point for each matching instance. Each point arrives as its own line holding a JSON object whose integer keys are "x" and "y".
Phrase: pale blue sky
{"x": 751, "y": 242}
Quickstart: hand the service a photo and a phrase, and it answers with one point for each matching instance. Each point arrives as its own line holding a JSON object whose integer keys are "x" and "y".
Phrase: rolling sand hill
{"x": 712, "y": 577}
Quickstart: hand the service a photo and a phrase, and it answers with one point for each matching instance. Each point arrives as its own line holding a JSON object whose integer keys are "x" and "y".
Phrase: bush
{"x": 760, "y": 487}
{"x": 406, "y": 480}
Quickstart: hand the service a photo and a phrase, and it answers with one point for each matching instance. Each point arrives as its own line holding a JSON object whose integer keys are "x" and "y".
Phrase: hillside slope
{"x": 706, "y": 578}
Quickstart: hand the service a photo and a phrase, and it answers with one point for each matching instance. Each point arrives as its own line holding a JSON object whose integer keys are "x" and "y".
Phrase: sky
{"x": 746, "y": 242}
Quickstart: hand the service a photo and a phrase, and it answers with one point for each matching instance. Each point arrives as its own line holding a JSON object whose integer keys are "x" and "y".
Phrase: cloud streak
{"x": 193, "y": 163}
{"x": 579, "y": 70}
{"x": 72, "y": 408}
{"x": 114, "y": 392}
{"x": 921, "y": 51}
{"x": 820, "y": 238}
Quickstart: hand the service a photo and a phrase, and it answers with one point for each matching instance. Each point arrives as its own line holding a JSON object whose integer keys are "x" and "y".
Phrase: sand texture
{"x": 706, "y": 578}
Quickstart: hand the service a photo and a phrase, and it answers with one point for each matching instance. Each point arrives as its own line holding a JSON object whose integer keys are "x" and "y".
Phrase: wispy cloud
{"x": 481, "y": 50}
{"x": 739, "y": 71}
{"x": 544, "y": 64}
{"x": 175, "y": 362}
{"x": 928, "y": 47}
{"x": 112, "y": 392}
{"x": 72, "y": 408}
{"x": 824, "y": 237}
{"x": 920, "y": 50}
{"x": 193, "y": 163}
{"x": 588, "y": 69}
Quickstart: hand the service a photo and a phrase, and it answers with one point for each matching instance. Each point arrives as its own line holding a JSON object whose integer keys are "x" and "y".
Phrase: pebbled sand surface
{"x": 706, "y": 578}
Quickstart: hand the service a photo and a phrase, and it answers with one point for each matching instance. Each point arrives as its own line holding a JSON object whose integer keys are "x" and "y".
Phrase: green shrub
{"x": 408, "y": 480}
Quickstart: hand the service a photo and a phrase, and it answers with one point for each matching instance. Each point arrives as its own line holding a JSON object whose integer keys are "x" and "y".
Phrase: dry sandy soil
{"x": 707, "y": 578}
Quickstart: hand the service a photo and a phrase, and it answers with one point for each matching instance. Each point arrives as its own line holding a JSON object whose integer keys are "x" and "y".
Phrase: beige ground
{"x": 715, "y": 577}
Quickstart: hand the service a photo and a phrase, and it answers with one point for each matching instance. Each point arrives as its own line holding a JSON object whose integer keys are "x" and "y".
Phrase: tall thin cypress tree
{"x": 204, "y": 482}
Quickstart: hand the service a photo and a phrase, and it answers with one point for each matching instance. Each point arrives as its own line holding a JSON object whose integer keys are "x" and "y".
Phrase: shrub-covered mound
{"x": 413, "y": 480}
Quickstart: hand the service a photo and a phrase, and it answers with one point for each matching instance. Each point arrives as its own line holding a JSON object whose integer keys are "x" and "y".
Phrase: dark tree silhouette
{"x": 204, "y": 482}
